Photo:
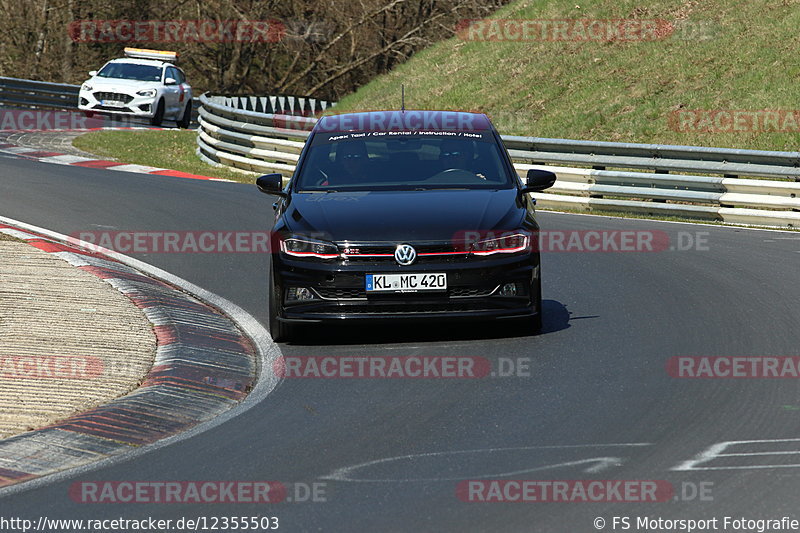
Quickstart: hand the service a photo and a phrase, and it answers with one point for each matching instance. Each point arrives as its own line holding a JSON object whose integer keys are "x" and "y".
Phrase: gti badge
{"x": 405, "y": 254}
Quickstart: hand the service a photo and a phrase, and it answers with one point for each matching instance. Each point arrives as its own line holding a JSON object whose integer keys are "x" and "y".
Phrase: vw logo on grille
{"x": 405, "y": 254}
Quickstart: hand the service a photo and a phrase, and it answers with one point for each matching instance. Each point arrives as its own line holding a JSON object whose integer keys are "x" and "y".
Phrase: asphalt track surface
{"x": 598, "y": 386}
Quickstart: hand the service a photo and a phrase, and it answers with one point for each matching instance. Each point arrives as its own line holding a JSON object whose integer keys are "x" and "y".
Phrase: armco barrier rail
{"x": 708, "y": 183}
{"x": 15, "y": 92}
{"x": 250, "y": 140}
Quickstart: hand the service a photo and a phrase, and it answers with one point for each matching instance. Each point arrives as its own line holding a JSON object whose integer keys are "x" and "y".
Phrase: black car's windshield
{"x": 403, "y": 161}
{"x": 131, "y": 71}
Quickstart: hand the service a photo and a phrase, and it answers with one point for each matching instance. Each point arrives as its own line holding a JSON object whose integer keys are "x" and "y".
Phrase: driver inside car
{"x": 350, "y": 166}
{"x": 456, "y": 155}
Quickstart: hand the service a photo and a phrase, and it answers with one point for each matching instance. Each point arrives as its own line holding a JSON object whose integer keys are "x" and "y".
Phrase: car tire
{"x": 186, "y": 119}
{"x": 158, "y": 117}
{"x": 280, "y": 331}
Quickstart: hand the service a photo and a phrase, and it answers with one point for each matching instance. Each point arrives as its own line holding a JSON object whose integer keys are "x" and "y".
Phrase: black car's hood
{"x": 403, "y": 215}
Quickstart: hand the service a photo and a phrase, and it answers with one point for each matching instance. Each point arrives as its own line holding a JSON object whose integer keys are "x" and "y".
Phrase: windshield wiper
{"x": 441, "y": 189}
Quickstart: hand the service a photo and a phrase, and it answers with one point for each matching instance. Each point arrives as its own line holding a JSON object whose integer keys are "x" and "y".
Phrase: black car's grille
{"x": 332, "y": 293}
{"x": 422, "y": 248}
{"x": 340, "y": 294}
{"x": 410, "y": 309}
{"x": 463, "y": 292}
{"x": 425, "y": 252}
{"x": 118, "y": 97}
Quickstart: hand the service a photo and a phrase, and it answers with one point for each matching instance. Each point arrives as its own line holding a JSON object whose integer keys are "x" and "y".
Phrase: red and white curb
{"x": 45, "y": 156}
{"x": 204, "y": 366}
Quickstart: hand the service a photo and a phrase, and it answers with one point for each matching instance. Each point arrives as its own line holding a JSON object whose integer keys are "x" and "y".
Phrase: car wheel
{"x": 158, "y": 118}
{"x": 280, "y": 331}
{"x": 186, "y": 119}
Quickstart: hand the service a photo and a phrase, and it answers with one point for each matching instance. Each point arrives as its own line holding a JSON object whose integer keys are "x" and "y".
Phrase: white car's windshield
{"x": 131, "y": 71}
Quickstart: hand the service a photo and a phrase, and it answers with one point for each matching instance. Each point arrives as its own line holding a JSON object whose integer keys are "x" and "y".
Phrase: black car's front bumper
{"x": 474, "y": 289}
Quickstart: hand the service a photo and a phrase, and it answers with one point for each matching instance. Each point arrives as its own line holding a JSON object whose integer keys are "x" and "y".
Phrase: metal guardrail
{"x": 249, "y": 140}
{"x": 27, "y": 93}
{"x": 664, "y": 158}
{"x": 710, "y": 183}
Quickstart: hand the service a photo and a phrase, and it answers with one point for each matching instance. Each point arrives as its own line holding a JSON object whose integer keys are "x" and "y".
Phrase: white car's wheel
{"x": 158, "y": 117}
{"x": 186, "y": 119}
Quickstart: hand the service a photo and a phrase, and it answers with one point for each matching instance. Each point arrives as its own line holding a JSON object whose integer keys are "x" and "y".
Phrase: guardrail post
{"x": 660, "y": 171}
{"x": 597, "y": 167}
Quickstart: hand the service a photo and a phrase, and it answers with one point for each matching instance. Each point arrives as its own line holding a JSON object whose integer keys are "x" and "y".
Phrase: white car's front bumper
{"x": 123, "y": 103}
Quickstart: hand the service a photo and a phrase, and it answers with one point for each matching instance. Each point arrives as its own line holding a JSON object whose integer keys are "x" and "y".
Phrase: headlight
{"x": 86, "y": 87}
{"x": 505, "y": 244}
{"x": 303, "y": 247}
{"x": 147, "y": 92}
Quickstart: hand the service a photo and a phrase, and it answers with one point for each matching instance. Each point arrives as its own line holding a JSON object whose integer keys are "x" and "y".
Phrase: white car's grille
{"x": 117, "y": 97}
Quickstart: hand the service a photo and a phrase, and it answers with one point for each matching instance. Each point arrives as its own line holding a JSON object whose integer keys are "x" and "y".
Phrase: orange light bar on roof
{"x": 144, "y": 53}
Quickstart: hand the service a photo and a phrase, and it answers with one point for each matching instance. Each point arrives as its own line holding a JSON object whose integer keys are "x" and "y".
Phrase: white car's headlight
{"x": 506, "y": 244}
{"x": 86, "y": 87}
{"x": 147, "y": 92}
{"x": 304, "y": 247}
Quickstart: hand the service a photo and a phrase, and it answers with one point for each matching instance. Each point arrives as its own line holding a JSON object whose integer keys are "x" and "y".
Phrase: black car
{"x": 404, "y": 215}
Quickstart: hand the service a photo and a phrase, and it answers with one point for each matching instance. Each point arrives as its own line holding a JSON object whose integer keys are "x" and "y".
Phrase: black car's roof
{"x": 410, "y": 119}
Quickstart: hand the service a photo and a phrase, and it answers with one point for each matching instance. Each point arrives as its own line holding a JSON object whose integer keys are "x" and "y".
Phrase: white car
{"x": 145, "y": 83}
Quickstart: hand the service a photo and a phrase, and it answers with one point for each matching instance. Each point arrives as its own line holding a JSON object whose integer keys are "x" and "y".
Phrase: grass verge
{"x": 718, "y": 55}
{"x": 172, "y": 149}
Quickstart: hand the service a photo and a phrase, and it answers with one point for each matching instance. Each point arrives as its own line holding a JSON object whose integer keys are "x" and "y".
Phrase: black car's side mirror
{"x": 538, "y": 180}
{"x": 271, "y": 184}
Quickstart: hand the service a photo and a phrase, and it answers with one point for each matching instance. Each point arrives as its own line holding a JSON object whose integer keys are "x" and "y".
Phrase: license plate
{"x": 411, "y": 282}
{"x": 112, "y": 103}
